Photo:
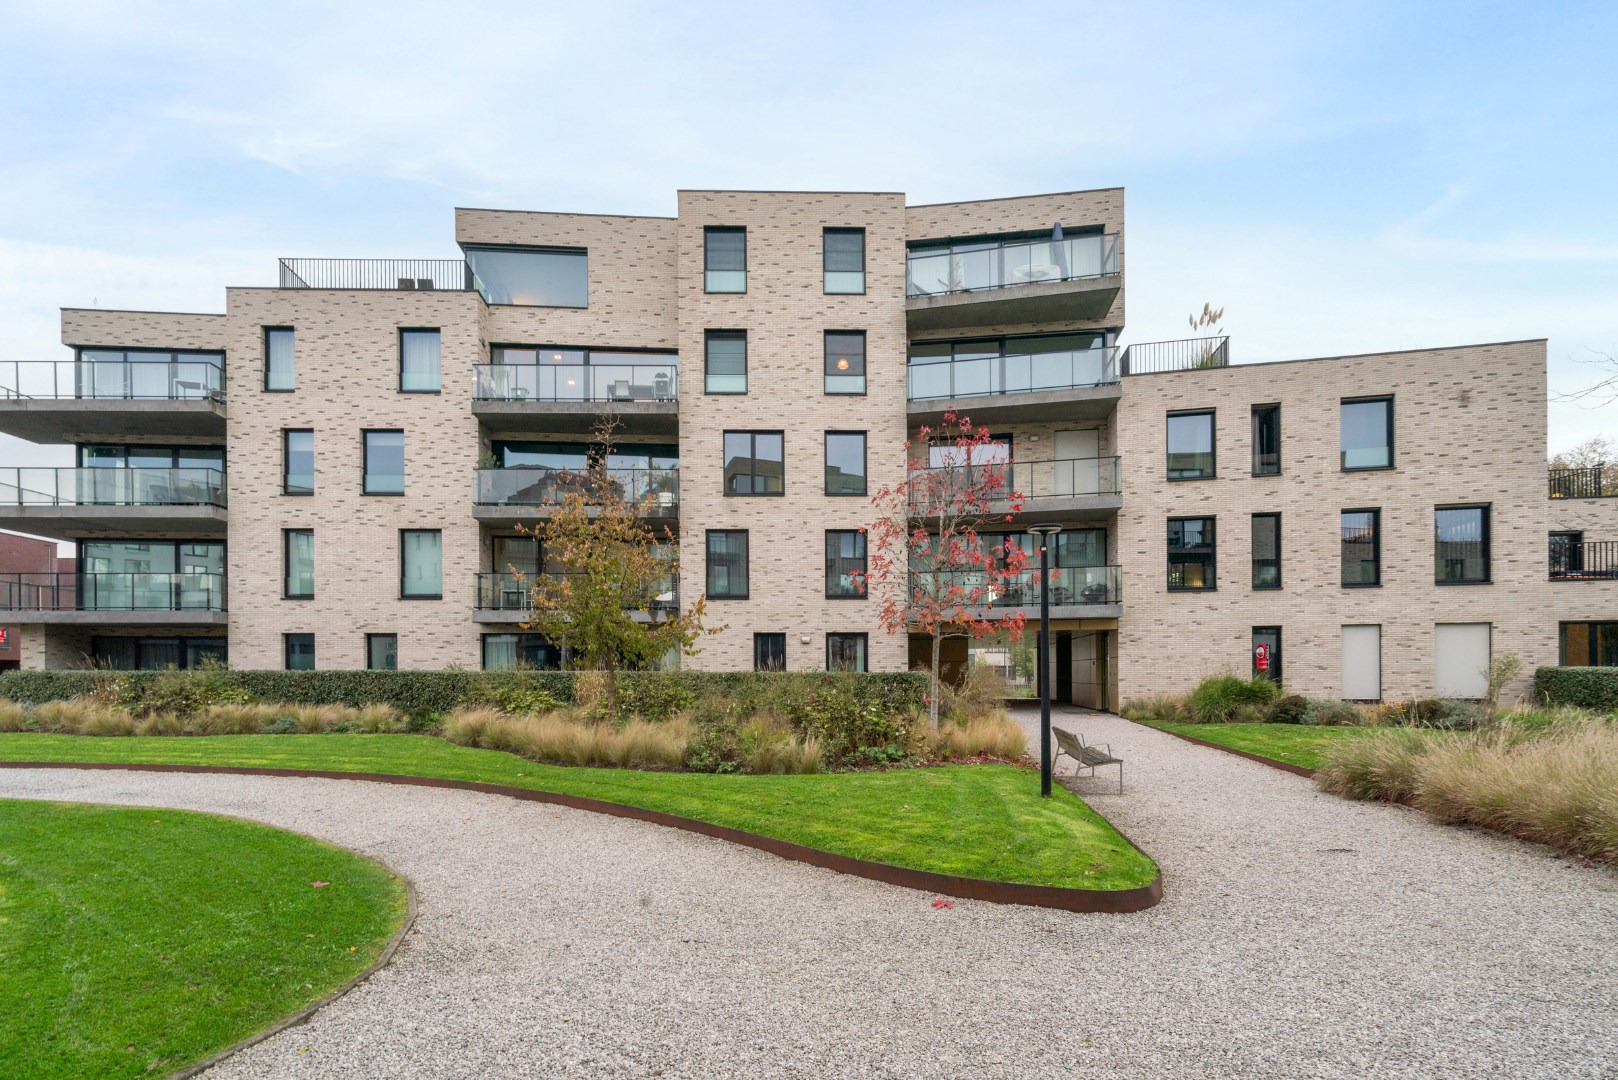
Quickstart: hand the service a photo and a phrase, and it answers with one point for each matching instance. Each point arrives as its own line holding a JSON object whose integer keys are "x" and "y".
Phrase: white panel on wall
{"x": 1461, "y": 660}
{"x": 1362, "y": 663}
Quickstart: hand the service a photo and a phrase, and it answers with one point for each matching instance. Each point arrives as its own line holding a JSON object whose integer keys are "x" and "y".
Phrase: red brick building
{"x": 24, "y": 555}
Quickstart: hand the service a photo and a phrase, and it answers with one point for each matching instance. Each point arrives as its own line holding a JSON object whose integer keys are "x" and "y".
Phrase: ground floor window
{"x": 508, "y": 652}
{"x": 846, "y": 652}
{"x": 1267, "y": 653}
{"x": 300, "y": 651}
{"x": 1589, "y": 644}
{"x": 769, "y": 652}
{"x": 382, "y": 652}
{"x": 156, "y": 653}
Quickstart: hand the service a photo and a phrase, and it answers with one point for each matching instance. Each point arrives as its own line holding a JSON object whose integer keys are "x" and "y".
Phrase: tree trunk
{"x": 932, "y": 703}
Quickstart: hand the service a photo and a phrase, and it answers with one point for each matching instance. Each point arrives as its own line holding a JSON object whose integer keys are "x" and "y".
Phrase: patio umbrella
{"x": 1060, "y": 250}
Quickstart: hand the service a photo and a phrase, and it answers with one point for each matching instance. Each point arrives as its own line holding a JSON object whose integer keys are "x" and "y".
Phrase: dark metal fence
{"x": 413, "y": 274}
{"x": 1583, "y": 483}
{"x": 1187, "y": 354}
{"x": 1583, "y": 560}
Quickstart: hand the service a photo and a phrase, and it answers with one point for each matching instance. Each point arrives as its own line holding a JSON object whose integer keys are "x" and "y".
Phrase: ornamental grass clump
{"x": 1157, "y": 709}
{"x": 571, "y": 737}
{"x": 13, "y": 717}
{"x": 994, "y": 735}
{"x": 1380, "y": 765}
{"x": 1221, "y": 699}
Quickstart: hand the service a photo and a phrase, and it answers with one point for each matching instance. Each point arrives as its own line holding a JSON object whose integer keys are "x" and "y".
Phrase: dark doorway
{"x": 1064, "y": 667}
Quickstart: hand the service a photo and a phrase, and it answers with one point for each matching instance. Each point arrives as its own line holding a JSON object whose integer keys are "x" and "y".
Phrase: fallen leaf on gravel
{"x": 943, "y": 903}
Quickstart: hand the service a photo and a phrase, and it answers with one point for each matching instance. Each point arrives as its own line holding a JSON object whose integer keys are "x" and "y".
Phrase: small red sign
{"x": 5, "y": 637}
{"x": 1261, "y": 657}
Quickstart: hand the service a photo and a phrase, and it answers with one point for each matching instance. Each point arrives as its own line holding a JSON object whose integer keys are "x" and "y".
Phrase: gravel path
{"x": 1301, "y": 936}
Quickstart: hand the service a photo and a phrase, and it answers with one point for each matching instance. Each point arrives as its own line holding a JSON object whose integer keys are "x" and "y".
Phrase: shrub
{"x": 1217, "y": 699}
{"x": 996, "y": 735}
{"x": 13, "y": 717}
{"x": 1287, "y": 709}
{"x": 1333, "y": 714}
{"x": 1377, "y": 765}
{"x": 982, "y": 693}
{"x": 1594, "y": 688}
{"x": 1160, "y": 709}
{"x": 570, "y": 737}
{"x": 1454, "y": 715}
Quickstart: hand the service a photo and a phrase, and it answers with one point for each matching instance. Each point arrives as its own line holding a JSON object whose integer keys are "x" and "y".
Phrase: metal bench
{"x": 1084, "y": 756}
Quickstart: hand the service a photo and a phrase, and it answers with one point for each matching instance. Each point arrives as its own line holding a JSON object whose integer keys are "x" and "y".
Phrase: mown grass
{"x": 1295, "y": 744}
{"x": 135, "y": 942}
{"x": 983, "y": 821}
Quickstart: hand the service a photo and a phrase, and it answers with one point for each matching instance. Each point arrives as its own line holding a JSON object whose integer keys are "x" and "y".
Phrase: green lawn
{"x": 982, "y": 821}
{"x": 1295, "y": 744}
{"x": 136, "y": 942}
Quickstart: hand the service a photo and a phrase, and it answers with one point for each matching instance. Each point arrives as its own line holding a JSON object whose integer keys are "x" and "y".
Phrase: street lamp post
{"x": 1042, "y": 536}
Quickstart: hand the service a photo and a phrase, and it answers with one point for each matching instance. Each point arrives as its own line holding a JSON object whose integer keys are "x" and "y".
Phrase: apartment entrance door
{"x": 1076, "y": 467}
{"x": 1064, "y": 667}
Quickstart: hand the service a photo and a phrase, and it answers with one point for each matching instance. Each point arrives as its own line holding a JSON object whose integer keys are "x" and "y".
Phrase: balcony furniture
{"x": 662, "y": 386}
{"x": 1086, "y": 756}
{"x": 1094, "y": 594}
{"x": 1021, "y": 275}
{"x": 619, "y": 391}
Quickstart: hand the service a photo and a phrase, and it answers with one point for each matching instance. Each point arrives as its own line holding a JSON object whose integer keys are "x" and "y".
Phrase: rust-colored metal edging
{"x": 1296, "y": 770}
{"x": 1111, "y": 901}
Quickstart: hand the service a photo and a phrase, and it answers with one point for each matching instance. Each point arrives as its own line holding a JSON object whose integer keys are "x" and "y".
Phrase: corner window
{"x": 1191, "y": 445}
{"x": 532, "y": 276}
{"x": 298, "y": 558}
{"x": 299, "y": 651}
{"x": 845, "y": 463}
{"x": 1366, "y": 433}
{"x": 1267, "y": 653}
{"x": 1266, "y": 440}
{"x": 382, "y": 652}
{"x": 419, "y": 362}
{"x": 278, "y": 358}
{"x": 725, "y": 362}
{"x": 1461, "y": 545}
{"x": 421, "y": 564}
{"x": 846, "y": 652}
{"x": 1266, "y": 551}
{"x": 845, "y": 564}
{"x": 1192, "y": 566}
{"x": 384, "y": 463}
{"x": 1362, "y": 548}
{"x": 755, "y": 463}
{"x": 297, "y": 462}
{"x": 844, "y": 261}
{"x": 769, "y": 652}
{"x": 727, "y": 564}
{"x": 724, "y": 259}
{"x": 1589, "y": 644}
{"x": 845, "y": 361}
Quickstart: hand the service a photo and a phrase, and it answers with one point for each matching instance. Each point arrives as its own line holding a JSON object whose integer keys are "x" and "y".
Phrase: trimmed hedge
{"x": 1585, "y": 687}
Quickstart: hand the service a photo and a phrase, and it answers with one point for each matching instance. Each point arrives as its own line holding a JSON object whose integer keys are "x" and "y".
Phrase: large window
{"x": 419, "y": 361}
{"x": 533, "y": 277}
{"x": 724, "y": 259}
{"x": 156, "y": 653}
{"x": 299, "y": 651}
{"x": 278, "y": 358}
{"x": 421, "y": 564}
{"x": 297, "y": 462}
{"x": 384, "y": 463}
{"x": 727, "y": 564}
{"x": 1362, "y": 547}
{"x": 141, "y": 373}
{"x": 1192, "y": 566}
{"x": 844, "y": 260}
{"x": 845, "y": 361}
{"x": 982, "y": 366}
{"x": 298, "y": 554}
{"x": 769, "y": 652}
{"x": 1191, "y": 445}
{"x": 1266, "y": 440}
{"x": 1266, "y": 551}
{"x": 846, "y": 652}
{"x": 725, "y": 362}
{"x": 1589, "y": 644}
{"x": 151, "y": 575}
{"x": 382, "y": 652}
{"x": 509, "y": 652}
{"x": 845, "y": 564}
{"x": 1367, "y": 433}
{"x": 1461, "y": 545}
{"x": 755, "y": 463}
{"x": 845, "y": 463}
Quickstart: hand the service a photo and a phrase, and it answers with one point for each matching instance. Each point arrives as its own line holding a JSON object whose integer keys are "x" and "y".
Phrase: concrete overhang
{"x": 114, "y": 618}
{"x": 56, "y": 420}
{"x": 509, "y": 517}
{"x": 577, "y": 417}
{"x": 76, "y": 522}
{"x": 489, "y": 617}
{"x": 1034, "y": 406}
{"x": 1016, "y": 305}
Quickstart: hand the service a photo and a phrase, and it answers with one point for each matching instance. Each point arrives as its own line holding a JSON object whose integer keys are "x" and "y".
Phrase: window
{"x": 845, "y": 361}
{"x": 297, "y": 462}
{"x": 725, "y": 362}
{"x": 298, "y": 549}
{"x": 945, "y": 369}
{"x": 845, "y": 564}
{"x": 1191, "y": 554}
{"x": 382, "y": 652}
{"x": 769, "y": 652}
{"x": 1266, "y": 440}
{"x": 508, "y": 652}
{"x": 421, "y": 564}
{"x": 533, "y": 277}
{"x": 1567, "y": 554}
{"x": 1191, "y": 445}
{"x": 299, "y": 651}
{"x": 148, "y": 373}
{"x": 1266, "y": 551}
{"x": 1367, "y": 434}
{"x": 278, "y": 365}
{"x": 1589, "y": 644}
{"x": 157, "y": 653}
{"x": 845, "y": 463}
{"x": 384, "y": 463}
{"x": 151, "y": 575}
{"x": 1362, "y": 547}
{"x": 846, "y": 652}
{"x": 1461, "y": 545}
{"x": 1267, "y": 653}
{"x": 844, "y": 260}
{"x": 727, "y": 564}
{"x": 724, "y": 259}
{"x": 755, "y": 463}
{"x": 419, "y": 361}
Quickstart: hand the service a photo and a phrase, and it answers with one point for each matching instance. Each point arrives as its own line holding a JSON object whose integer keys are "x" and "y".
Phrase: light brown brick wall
{"x": 142, "y": 329}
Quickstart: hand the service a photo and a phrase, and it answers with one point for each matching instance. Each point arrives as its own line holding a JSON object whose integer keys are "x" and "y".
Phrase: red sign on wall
{"x": 1261, "y": 658}
{"x": 5, "y": 637}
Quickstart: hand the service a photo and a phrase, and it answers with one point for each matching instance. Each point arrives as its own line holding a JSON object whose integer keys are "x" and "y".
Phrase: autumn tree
{"x": 1596, "y": 452}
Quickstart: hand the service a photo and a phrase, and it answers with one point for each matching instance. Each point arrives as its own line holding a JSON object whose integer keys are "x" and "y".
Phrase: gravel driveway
{"x": 1301, "y": 936}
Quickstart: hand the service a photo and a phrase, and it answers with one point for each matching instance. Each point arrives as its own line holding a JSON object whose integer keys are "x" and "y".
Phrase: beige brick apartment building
{"x": 1368, "y": 526}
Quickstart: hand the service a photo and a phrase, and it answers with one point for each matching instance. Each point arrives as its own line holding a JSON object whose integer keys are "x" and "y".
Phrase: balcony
{"x": 1012, "y": 381}
{"x": 111, "y": 599}
{"x": 570, "y": 398}
{"x": 509, "y": 497}
{"x": 1077, "y": 592}
{"x": 504, "y": 598}
{"x": 1586, "y": 483}
{"x": 1186, "y": 354}
{"x": 110, "y": 393}
{"x": 1076, "y": 489}
{"x": 1584, "y": 560}
{"x": 1012, "y": 282}
{"x": 414, "y": 275}
{"x": 87, "y": 502}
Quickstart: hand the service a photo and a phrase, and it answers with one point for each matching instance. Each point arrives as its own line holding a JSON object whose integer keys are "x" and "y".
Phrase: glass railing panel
{"x": 577, "y": 382}
{"x": 106, "y": 486}
{"x": 1024, "y": 262}
{"x": 550, "y": 487}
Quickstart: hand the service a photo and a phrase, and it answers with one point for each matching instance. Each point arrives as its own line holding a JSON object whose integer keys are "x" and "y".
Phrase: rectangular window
{"x": 298, "y": 553}
{"x": 724, "y": 259}
{"x": 299, "y": 650}
{"x": 510, "y": 652}
{"x": 1191, "y": 445}
{"x": 382, "y": 652}
{"x": 419, "y": 362}
{"x": 755, "y": 463}
{"x": 1461, "y": 545}
{"x": 384, "y": 463}
{"x": 1567, "y": 554}
{"x": 297, "y": 462}
{"x": 421, "y": 564}
{"x": 844, "y": 261}
{"x": 1362, "y": 547}
{"x": 727, "y": 564}
{"x": 845, "y": 463}
{"x": 725, "y": 362}
{"x": 1366, "y": 432}
{"x": 1266, "y": 551}
{"x": 845, "y": 564}
{"x": 1266, "y": 440}
{"x": 1267, "y": 653}
{"x": 1191, "y": 554}
{"x": 1589, "y": 644}
{"x": 531, "y": 277}
{"x": 769, "y": 652}
{"x": 845, "y": 361}
{"x": 278, "y": 360}
{"x": 846, "y": 652}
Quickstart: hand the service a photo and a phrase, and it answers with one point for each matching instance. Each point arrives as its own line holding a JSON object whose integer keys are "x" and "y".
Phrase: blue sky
{"x": 1340, "y": 177}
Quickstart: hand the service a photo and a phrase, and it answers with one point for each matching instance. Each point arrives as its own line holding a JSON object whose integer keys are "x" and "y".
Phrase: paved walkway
{"x": 1301, "y": 936}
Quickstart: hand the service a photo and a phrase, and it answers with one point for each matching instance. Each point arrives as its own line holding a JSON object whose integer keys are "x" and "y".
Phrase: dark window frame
{"x": 865, "y": 562}
{"x": 841, "y": 230}
{"x": 286, "y": 564}
{"x": 752, "y": 456}
{"x": 1393, "y": 459}
{"x": 865, "y": 465}
{"x": 747, "y": 564}
{"x": 439, "y": 595}
{"x": 827, "y": 373}
{"x": 403, "y": 330}
{"x": 1263, "y": 410}
{"x": 725, "y": 335}
{"x": 1253, "y": 555}
{"x": 1277, "y": 673}
{"x": 774, "y": 637}
{"x": 1376, "y": 546}
{"x": 365, "y": 460}
{"x": 1212, "y": 531}
{"x": 865, "y": 652}
{"x": 1573, "y": 556}
{"x": 1487, "y": 543}
{"x": 370, "y": 640}
{"x": 286, "y": 454}
{"x": 1213, "y": 444}
{"x": 530, "y": 249}
{"x": 286, "y": 652}
{"x": 1590, "y": 640}
{"x": 265, "y": 338}
{"x": 709, "y": 230}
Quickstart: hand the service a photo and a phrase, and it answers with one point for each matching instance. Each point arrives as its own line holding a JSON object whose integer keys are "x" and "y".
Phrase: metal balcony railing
{"x": 1057, "y": 479}
{"x": 1585, "y": 483}
{"x": 101, "y": 380}
{"x": 112, "y": 592}
{"x": 539, "y": 486}
{"x": 966, "y": 267}
{"x": 1584, "y": 560}
{"x": 506, "y": 591}
{"x": 1013, "y": 373}
{"x": 413, "y": 274}
{"x": 576, "y": 382}
{"x": 1070, "y": 585}
{"x": 1187, "y": 354}
{"x": 105, "y": 486}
